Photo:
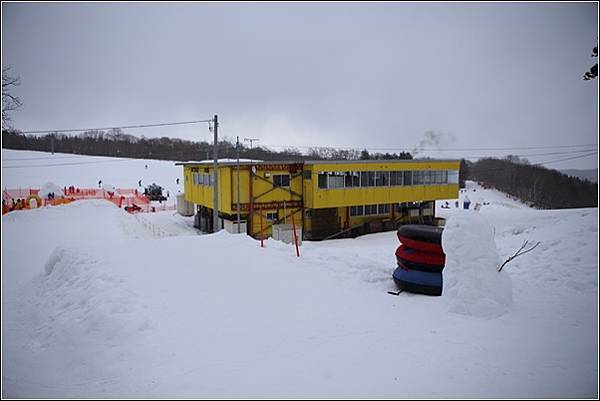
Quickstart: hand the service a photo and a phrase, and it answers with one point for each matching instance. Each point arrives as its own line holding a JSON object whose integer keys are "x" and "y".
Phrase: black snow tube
{"x": 419, "y": 282}
{"x": 419, "y": 267}
{"x": 421, "y": 233}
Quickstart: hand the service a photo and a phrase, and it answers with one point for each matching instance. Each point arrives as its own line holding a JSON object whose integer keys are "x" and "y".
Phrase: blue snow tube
{"x": 416, "y": 281}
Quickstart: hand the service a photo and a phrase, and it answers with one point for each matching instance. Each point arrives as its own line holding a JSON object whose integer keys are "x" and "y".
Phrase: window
{"x": 356, "y": 210}
{"x": 367, "y": 179}
{"x": 322, "y": 180}
{"x": 453, "y": 177}
{"x": 281, "y": 180}
{"x": 335, "y": 179}
{"x": 382, "y": 178}
{"x": 441, "y": 177}
{"x": 272, "y": 216}
{"x": 352, "y": 179}
{"x": 383, "y": 209}
{"x": 418, "y": 177}
{"x": 428, "y": 177}
{"x": 370, "y": 210}
{"x": 408, "y": 178}
{"x": 395, "y": 177}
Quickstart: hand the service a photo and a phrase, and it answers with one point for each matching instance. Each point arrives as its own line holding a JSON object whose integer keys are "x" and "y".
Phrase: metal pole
{"x": 237, "y": 147}
{"x": 215, "y": 177}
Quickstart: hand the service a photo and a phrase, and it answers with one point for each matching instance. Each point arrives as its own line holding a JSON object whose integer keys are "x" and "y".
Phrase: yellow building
{"x": 325, "y": 198}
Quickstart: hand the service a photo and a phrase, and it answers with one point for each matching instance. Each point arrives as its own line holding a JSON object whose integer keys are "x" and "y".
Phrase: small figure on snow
{"x": 139, "y": 183}
{"x": 177, "y": 181}
{"x": 100, "y": 184}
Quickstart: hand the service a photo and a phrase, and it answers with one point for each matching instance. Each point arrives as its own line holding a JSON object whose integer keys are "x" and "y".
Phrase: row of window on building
{"x": 370, "y": 210}
{"x": 354, "y": 179}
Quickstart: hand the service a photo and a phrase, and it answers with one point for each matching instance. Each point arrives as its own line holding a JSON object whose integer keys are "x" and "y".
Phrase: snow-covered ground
{"x": 96, "y": 304}
{"x": 29, "y": 169}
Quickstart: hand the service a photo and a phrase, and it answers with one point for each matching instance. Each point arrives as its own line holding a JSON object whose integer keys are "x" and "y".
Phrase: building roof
{"x": 245, "y": 162}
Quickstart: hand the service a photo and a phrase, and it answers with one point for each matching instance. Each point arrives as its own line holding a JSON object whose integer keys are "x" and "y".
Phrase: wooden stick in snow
{"x": 519, "y": 253}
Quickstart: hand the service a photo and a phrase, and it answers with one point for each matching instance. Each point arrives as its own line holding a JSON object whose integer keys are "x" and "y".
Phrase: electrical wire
{"x": 120, "y": 127}
{"x": 417, "y": 149}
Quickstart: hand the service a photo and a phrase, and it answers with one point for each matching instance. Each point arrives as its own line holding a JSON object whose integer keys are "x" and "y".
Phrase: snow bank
{"x": 473, "y": 284}
{"x": 78, "y": 298}
{"x": 50, "y": 187}
{"x": 108, "y": 187}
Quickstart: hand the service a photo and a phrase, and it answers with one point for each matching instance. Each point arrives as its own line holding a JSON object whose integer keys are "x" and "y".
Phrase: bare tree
{"x": 10, "y": 102}
{"x": 593, "y": 72}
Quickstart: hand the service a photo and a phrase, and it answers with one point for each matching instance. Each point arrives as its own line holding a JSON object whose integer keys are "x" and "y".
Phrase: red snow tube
{"x": 421, "y": 237}
{"x": 420, "y": 257}
{"x": 420, "y": 245}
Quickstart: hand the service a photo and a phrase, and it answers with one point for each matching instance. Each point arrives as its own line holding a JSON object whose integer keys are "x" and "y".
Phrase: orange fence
{"x": 130, "y": 199}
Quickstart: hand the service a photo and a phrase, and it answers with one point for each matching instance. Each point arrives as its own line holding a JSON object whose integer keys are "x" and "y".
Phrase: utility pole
{"x": 251, "y": 140}
{"x": 216, "y": 177}
{"x": 237, "y": 149}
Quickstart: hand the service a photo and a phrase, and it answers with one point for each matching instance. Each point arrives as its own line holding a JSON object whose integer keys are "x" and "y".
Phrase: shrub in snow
{"x": 472, "y": 283}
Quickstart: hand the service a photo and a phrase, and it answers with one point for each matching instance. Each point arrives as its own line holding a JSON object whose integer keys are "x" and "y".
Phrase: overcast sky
{"x": 365, "y": 75}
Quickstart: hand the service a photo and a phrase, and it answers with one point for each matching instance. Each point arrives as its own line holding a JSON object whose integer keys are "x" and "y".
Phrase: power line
{"x": 540, "y": 164}
{"x": 71, "y": 164}
{"x": 120, "y": 127}
{"x": 116, "y": 160}
{"x": 430, "y": 149}
{"x": 175, "y": 155}
{"x": 569, "y": 158}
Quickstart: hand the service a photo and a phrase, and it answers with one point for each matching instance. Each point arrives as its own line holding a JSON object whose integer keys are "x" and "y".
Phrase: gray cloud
{"x": 303, "y": 74}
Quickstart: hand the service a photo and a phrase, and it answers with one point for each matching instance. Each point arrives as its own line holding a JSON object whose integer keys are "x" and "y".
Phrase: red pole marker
{"x": 295, "y": 235}
{"x": 261, "y": 228}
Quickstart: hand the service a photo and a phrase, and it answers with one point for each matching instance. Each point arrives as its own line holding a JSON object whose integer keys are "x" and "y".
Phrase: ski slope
{"x": 96, "y": 305}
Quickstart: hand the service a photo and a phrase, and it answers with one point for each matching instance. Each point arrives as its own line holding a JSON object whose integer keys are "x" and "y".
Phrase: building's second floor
{"x": 320, "y": 184}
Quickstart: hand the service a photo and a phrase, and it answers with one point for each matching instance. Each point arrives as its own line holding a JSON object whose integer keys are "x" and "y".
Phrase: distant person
{"x": 139, "y": 183}
{"x": 146, "y": 167}
{"x": 177, "y": 181}
{"x": 100, "y": 184}
{"x": 167, "y": 194}
{"x": 466, "y": 202}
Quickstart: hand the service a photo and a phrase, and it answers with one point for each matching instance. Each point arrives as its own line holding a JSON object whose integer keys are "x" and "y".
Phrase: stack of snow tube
{"x": 420, "y": 259}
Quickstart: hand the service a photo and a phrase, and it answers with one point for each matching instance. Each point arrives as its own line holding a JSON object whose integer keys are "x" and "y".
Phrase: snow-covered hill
{"x": 96, "y": 305}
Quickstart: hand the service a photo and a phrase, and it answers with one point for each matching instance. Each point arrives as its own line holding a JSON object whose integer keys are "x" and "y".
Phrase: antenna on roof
{"x": 251, "y": 140}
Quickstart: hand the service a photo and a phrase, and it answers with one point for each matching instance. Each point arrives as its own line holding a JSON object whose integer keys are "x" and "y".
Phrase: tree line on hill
{"x": 535, "y": 185}
{"x": 115, "y": 143}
